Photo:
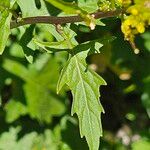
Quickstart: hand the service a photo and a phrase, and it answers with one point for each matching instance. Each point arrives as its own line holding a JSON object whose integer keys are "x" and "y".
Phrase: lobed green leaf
{"x": 84, "y": 84}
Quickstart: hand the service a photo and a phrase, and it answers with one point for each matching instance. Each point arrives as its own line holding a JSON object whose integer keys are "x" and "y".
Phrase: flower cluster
{"x": 137, "y": 20}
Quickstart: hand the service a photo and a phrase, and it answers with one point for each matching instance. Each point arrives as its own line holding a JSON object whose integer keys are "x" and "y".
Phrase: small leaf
{"x": 52, "y": 46}
{"x": 88, "y": 5}
{"x": 84, "y": 84}
{"x": 67, "y": 7}
{"x": 4, "y": 29}
{"x": 5, "y": 18}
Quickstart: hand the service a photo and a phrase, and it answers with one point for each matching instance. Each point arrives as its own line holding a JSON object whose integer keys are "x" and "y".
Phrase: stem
{"x": 62, "y": 20}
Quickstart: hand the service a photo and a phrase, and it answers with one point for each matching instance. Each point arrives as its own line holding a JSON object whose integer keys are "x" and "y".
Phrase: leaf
{"x": 43, "y": 104}
{"x": 5, "y": 18}
{"x": 16, "y": 68}
{"x": 93, "y": 46}
{"x": 143, "y": 143}
{"x": 61, "y": 44}
{"x": 39, "y": 87}
{"x": 14, "y": 110}
{"x": 4, "y": 29}
{"x": 84, "y": 84}
{"x": 88, "y": 5}
{"x": 52, "y": 46}
{"x": 26, "y": 143}
{"x": 11, "y": 138}
{"x": 70, "y": 8}
{"x": 48, "y": 140}
{"x": 29, "y": 9}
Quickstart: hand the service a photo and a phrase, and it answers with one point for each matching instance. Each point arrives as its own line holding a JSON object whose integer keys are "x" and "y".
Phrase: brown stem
{"x": 61, "y": 20}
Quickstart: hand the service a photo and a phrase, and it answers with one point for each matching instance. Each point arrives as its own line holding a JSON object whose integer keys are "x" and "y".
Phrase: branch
{"x": 62, "y": 20}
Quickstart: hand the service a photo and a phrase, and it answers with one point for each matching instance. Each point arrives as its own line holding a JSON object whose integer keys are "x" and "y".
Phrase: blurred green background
{"x": 34, "y": 117}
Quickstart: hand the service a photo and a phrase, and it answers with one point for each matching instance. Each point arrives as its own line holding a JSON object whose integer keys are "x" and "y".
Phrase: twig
{"x": 62, "y": 20}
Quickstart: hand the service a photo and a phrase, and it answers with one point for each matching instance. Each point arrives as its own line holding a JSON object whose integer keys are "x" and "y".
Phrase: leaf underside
{"x": 84, "y": 84}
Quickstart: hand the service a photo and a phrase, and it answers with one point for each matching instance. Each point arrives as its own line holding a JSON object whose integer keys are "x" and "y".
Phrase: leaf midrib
{"x": 83, "y": 87}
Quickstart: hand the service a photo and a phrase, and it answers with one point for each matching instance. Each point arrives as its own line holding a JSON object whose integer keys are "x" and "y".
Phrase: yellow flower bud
{"x": 140, "y": 28}
{"x": 134, "y": 11}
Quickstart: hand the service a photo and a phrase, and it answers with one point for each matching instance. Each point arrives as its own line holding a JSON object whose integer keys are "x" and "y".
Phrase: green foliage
{"x": 4, "y": 30}
{"x": 11, "y": 138}
{"x": 65, "y": 6}
{"x": 141, "y": 144}
{"x": 90, "y": 5}
{"x": 5, "y": 18}
{"x": 49, "y": 140}
{"x": 4, "y": 5}
{"x": 84, "y": 85}
{"x": 29, "y": 8}
{"x": 14, "y": 110}
{"x": 39, "y": 89}
{"x": 40, "y": 59}
{"x": 4, "y": 24}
